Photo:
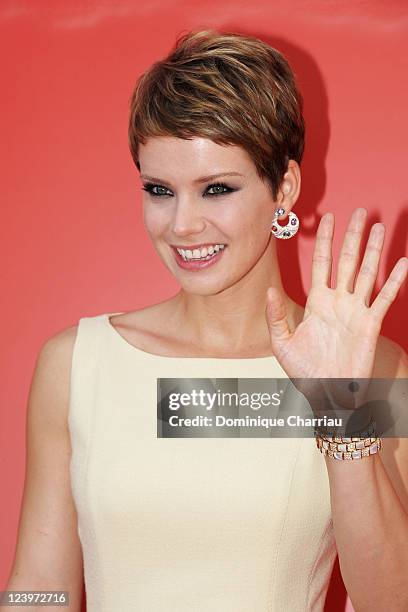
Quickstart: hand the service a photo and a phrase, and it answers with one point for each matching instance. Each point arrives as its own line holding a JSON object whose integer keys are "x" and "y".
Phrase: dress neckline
{"x": 136, "y": 350}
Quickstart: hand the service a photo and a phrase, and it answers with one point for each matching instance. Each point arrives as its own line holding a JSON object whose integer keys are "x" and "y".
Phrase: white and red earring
{"x": 284, "y": 231}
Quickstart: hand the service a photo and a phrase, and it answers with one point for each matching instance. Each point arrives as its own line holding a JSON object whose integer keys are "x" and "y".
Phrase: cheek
{"x": 155, "y": 219}
{"x": 234, "y": 217}
{"x": 250, "y": 223}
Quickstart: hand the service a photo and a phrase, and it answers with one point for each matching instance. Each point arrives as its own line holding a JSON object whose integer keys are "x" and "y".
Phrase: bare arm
{"x": 370, "y": 512}
{"x": 48, "y": 553}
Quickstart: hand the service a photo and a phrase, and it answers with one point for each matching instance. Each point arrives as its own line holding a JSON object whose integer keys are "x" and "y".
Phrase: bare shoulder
{"x": 391, "y": 361}
{"x": 60, "y": 343}
{"x": 53, "y": 365}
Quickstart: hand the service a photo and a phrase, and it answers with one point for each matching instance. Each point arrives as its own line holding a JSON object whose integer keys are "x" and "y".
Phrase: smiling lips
{"x": 203, "y": 252}
{"x": 198, "y": 258}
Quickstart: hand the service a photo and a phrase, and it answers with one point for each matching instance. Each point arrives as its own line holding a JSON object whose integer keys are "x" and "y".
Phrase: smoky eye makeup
{"x": 212, "y": 190}
{"x": 150, "y": 187}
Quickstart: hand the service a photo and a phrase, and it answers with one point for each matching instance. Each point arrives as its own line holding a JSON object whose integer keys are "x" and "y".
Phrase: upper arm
{"x": 48, "y": 553}
{"x": 392, "y": 362}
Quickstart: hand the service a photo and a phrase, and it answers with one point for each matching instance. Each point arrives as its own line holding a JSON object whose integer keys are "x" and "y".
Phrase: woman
{"x": 217, "y": 134}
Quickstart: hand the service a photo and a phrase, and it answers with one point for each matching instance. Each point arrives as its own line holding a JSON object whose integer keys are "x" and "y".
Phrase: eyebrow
{"x": 202, "y": 179}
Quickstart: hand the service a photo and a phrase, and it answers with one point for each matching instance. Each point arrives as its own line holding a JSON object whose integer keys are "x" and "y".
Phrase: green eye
{"x": 149, "y": 187}
{"x": 159, "y": 191}
{"x": 219, "y": 187}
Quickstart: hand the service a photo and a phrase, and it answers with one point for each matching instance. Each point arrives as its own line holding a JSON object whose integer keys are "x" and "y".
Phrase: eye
{"x": 219, "y": 187}
{"x": 160, "y": 191}
{"x": 149, "y": 187}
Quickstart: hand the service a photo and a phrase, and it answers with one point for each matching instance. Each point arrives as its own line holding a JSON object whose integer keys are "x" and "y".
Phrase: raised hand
{"x": 338, "y": 335}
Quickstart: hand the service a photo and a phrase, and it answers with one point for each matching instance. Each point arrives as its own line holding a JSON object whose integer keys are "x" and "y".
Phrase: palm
{"x": 332, "y": 341}
{"x": 338, "y": 335}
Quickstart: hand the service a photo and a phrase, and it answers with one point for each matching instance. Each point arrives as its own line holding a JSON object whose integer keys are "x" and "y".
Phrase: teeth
{"x": 203, "y": 253}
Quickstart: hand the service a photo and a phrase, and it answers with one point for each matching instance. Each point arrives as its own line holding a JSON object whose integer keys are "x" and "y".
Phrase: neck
{"x": 233, "y": 320}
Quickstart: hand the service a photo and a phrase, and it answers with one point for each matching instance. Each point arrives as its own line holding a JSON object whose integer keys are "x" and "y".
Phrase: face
{"x": 187, "y": 213}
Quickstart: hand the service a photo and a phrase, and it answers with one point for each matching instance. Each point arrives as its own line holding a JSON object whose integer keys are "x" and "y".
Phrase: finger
{"x": 322, "y": 253}
{"x": 276, "y": 318}
{"x": 390, "y": 289}
{"x": 368, "y": 272}
{"x": 349, "y": 254}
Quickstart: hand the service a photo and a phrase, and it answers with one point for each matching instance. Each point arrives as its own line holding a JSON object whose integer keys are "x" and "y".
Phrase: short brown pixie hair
{"x": 230, "y": 88}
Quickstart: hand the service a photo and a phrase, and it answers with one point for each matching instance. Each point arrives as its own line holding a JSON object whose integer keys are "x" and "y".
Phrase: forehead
{"x": 177, "y": 157}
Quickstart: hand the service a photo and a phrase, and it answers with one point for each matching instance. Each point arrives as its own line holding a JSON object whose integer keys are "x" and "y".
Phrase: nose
{"x": 187, "y": 218}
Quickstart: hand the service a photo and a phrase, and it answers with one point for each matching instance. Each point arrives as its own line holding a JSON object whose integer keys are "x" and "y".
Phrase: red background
{"x": 71, "y": 229}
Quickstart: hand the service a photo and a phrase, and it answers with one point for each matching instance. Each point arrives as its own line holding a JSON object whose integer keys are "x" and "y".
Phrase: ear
{"x": 289, "y": 188}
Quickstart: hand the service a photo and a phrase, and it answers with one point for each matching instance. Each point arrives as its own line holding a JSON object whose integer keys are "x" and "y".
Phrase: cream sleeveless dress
{"x": 188, "y": 524}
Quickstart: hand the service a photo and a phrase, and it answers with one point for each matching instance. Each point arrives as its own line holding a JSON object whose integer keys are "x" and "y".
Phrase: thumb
{"x": 276, "y": 318}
